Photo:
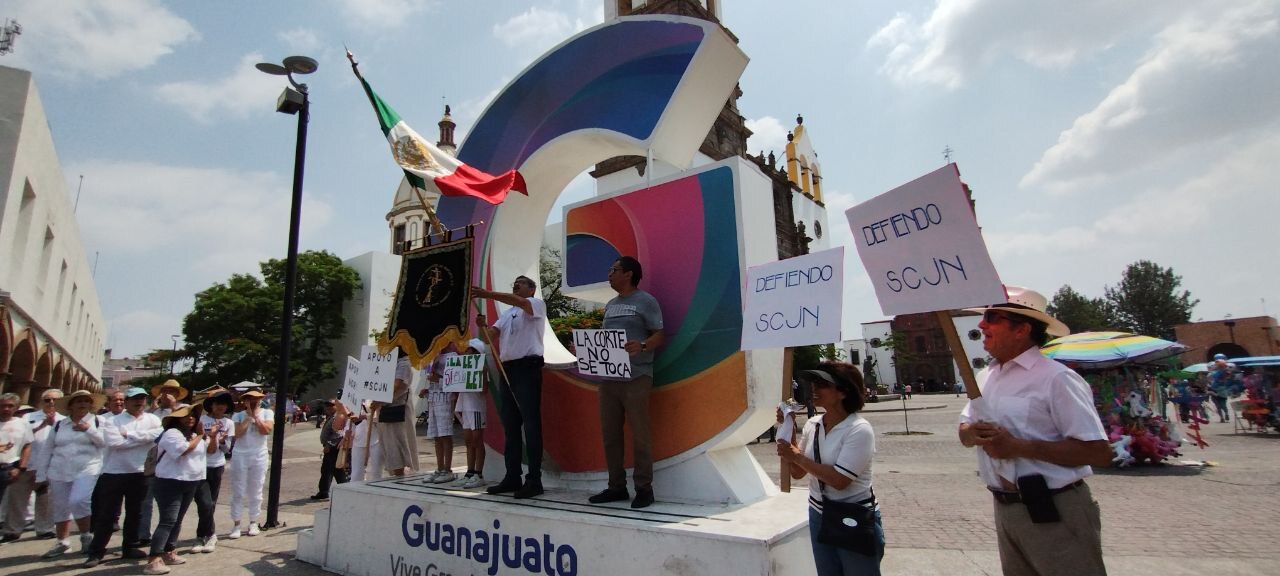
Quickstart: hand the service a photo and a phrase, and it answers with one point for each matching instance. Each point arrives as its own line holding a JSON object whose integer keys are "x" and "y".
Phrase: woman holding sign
{"x": 835, "y": 452}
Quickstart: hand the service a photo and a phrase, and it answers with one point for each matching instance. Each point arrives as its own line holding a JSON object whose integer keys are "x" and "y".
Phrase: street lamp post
{"x": 173, "y": 356}
{"x": 1231, "y": 330}
{"x": 292, "y": 101}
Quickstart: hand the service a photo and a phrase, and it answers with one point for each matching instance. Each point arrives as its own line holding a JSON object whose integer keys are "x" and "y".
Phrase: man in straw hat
{"x": 1039, "y": 433}
{"x": 129, "y": 437}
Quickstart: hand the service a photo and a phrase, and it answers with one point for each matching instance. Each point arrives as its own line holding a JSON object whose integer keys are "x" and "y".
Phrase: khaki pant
{"x": 627, "y": 401}
{"x": 1072, "y": 546}
{"x": 18, "y": 505}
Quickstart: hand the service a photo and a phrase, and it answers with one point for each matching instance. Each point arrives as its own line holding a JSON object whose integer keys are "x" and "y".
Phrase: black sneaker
{"x": 506, "y": 485}
{"x": 134, "y": 553}
{"x": 610, "y": 495}
{"x": 319, "y": 496}
{"x": 9, "y": 538}
{"x": 529, "y": 490}
{"x": 91, "y": 562}
{"x": 643, "y": 499}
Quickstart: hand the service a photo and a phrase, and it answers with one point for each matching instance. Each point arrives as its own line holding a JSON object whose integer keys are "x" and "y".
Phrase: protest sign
{"x": 464, "y": 373}
{"x": 377, "y": 374}
{"x": 351, "y": 386}
{"x": 601, "y": 353}
{"x": 922, "y": 248}
{"x": 794, "y": 302}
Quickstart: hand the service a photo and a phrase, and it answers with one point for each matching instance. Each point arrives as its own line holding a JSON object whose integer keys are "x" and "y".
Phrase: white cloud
{"x": 1211, "y": 78}
{"x": 960, "y": 37}
{"x": 97, "y": 39}
{"x": 537, "y": 29}
{"x": 301, "y": 40}
{"x": 384, "y": 13}
{"x": 767, "y": 134}
{"x": 243, "y": 91}
{"x": 167, "y": 232}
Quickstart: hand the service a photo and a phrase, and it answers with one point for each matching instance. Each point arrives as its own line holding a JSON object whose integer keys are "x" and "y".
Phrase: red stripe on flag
{"x": 467, "y": 181}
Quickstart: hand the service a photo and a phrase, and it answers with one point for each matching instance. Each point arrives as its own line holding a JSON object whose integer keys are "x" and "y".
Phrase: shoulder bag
{"x": 848, "y": 525}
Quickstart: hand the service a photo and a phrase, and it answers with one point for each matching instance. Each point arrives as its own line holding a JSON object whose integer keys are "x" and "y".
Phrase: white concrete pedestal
{"x": 403, "y": 527}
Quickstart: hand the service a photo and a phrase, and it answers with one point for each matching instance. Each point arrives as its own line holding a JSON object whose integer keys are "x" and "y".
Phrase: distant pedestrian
{"x": 335, "y": 420}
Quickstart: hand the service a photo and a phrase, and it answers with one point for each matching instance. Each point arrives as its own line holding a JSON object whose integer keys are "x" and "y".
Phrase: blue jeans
{"x": 172, "y": 499}
{"x": 832, "y": 561}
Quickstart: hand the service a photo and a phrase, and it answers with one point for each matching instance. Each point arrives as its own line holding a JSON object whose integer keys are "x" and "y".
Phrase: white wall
{"x": 366, "y": 311}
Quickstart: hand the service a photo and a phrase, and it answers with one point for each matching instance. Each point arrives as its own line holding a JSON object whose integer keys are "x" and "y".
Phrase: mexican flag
{"x": 427, "y": 166}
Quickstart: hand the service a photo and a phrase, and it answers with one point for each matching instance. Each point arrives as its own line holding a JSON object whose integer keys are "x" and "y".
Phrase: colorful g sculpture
{"x": 635, "y": 86}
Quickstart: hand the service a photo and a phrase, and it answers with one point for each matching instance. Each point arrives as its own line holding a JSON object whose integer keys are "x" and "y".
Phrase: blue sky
{"x": 1093, "y": 133}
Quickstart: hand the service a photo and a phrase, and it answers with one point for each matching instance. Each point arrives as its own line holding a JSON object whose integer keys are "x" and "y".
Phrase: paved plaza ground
{"x": 1171, "y": 520}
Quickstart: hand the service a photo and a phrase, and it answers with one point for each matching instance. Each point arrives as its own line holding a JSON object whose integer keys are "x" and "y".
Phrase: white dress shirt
{"x": 128, "y": 441}
{"x": 40, "y": 436}
{"x": 520, "y": 333}
{"x": 1036, "y": 398}
{"x": 175, "y": 462}
{"x": 69, "y": 453}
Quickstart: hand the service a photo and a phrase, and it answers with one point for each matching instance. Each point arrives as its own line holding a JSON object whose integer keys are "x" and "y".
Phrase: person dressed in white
{"x": 15, "y": 452}
{"x": 129, "y": 437}
{"x": 42, "y": 422}
{"x": 218, "y": 430}
{"x": 69, "y": 465}
{"x": 249, "y": 464}
{"x": 366, "y": 452}
{"x": 180, "y": 470}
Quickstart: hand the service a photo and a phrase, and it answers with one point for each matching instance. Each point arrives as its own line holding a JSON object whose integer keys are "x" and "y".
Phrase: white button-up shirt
{"x": 40, "y": 436}
{"x": 71, "y": 453}
{"x": 847, "y": 446}
{"x": 128, "y": 441}
{"x": 1036, "y": 398}
{"x": 173, "y": 461}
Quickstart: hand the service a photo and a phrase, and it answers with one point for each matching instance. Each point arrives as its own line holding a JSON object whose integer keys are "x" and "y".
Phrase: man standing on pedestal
{"x": 1039, "y": 434}
{"x": 518, "y": 333}
{"x": 623, "y": 401}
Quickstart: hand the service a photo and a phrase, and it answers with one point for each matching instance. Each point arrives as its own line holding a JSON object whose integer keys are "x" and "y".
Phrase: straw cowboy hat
{"x": 1029, "y": 303}
{"x": 216, "y": 395}
{"x": 182, "y": 412}
{"x": 159, "y": 389}
{"x": 97, "y": 399}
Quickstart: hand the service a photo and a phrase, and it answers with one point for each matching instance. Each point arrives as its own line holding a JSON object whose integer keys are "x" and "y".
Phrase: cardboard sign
{"x": 601, "y": 353}
{"x": 377, "y": 374}
{"x": 794, "y": 302}
{"x": 351, "y": 386}
{"x": 464, "y": 373}
{"x": 922, "y": 248}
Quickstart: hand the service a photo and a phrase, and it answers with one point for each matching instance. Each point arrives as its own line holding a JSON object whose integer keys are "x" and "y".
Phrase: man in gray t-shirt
{"x": 621, "y": 401}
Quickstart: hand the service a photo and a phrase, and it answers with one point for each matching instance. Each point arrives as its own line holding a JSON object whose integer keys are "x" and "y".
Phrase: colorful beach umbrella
{"x": 1108, "y": 349}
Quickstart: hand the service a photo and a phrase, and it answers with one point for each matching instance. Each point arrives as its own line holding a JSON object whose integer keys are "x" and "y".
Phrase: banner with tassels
{"x": 430, "y": 309}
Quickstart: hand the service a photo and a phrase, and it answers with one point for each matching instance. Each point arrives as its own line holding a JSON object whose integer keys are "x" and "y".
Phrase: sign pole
{"x": 785, "y": 480}
{"x": 957, "y": 353}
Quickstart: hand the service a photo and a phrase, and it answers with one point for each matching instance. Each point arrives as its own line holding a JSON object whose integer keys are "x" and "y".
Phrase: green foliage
{"x": 564, "y": 326}
{"x": 550, "y": 278}
{"x": 900, "y": 346}
{"x": 1148, "y": 302}
{"x": 1081, "y": 313}
{"x": 233, "y": 331}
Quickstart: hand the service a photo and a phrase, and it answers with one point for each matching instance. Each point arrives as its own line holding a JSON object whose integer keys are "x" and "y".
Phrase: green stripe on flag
{"x": 387, "y": 117}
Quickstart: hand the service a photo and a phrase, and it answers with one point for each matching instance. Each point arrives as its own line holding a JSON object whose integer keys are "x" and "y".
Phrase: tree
{"x": 1081, "y": 313}
{"x": 551, "y": 279}
{"x": 233, "y": 331}
{"x": 1147, "y": 300}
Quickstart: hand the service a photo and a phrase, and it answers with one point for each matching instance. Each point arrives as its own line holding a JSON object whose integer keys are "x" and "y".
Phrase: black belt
{"x": 1016, "y": 498}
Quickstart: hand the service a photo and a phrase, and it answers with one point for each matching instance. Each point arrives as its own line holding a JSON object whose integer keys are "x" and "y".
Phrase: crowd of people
{"x": 107, "y": 465}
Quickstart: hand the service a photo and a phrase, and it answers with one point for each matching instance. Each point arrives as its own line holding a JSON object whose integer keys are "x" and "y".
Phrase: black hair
{"x": 1039, "y": 330}
{"x": 528, "y": 282}
{"x": 848, "y": 380}
{"x": 180, "y": 424}
{"x": 629, "y": 264}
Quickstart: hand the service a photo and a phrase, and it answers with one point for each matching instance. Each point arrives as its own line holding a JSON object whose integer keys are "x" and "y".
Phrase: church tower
{"x": 407, "y": 220}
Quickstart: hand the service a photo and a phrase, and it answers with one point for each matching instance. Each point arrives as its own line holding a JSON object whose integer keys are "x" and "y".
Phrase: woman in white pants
{"x": 249, "y": 462}
{"x": 357, "y": 435}
{"x": 69, "y": 464}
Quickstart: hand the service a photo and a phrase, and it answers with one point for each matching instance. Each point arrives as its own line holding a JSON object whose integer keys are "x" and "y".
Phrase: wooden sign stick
{"x": 957, "y": 353}
{"x": 784, "y": 482}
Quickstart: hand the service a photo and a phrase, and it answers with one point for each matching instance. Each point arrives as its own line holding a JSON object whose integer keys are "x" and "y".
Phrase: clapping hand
{"x": 80, "y": 426}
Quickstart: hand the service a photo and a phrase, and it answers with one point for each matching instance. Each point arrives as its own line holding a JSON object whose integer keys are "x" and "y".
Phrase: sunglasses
{"x": 993, "y": 317}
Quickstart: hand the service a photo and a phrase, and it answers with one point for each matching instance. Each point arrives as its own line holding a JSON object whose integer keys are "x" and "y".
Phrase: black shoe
{"x": 319, "y": 496}
{"x": 144, "y": 542}
{"x": 91, "y": 562}
{"x": 529, "y": 490}
{"x": 44, "y": 535}
{"x": 643, "y": 499}
{"x": 134, "y": 553}
{"x": 506, "y": 485}
{"x": 610, "y": 495}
